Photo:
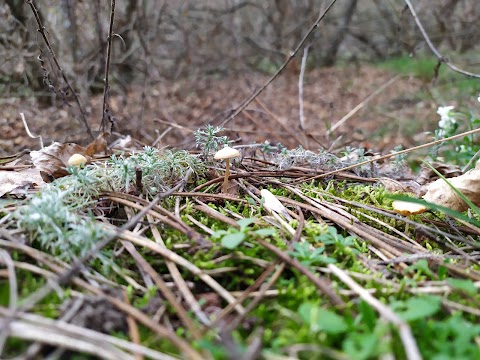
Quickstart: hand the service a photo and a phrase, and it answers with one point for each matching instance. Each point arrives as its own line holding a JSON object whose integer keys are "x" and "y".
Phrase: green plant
{"x": 342, "y": 245}
{"x": 208, "y": 142}
{"x": 57, "y": 227}
{"x": 458, "y": 151}
{"x": 160, "y": 170}
{"x": 233, "y": 237}
{"x": 310, "y": 256}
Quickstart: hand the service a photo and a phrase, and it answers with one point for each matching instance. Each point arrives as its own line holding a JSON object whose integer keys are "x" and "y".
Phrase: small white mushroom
{"x": 407, "y": 208}
{"x": 77, "y": 160}
{"x": 226, "y": 154}
{"x": 271, "y": 203}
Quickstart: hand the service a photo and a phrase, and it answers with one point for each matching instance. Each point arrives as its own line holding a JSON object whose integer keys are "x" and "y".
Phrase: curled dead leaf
{"x": 98, "y": 145}
{"x": 52, "y": 161}
{"x": 440, "y": 193}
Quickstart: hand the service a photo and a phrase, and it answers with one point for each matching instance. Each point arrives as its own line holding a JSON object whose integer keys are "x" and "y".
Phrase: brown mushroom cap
{"x": 408, "y": 208}
{"x": 226, "y": 153}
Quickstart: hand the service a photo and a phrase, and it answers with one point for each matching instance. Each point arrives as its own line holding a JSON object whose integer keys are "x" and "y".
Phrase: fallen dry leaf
{"x": 440, "y": 193}
{"x": 98, "y": 145}
{"x": 14, "y": 182}
{"x": 426, "y": 174}
{"x": 52, "y": 160}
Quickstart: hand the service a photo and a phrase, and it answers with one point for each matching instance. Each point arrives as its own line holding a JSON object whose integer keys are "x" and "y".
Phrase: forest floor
{"x": 144, "y": 254}
{"x": 400, "y": 114}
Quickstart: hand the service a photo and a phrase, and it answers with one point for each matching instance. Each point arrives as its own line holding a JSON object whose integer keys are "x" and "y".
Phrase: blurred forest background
{"x": 178, "y": 65}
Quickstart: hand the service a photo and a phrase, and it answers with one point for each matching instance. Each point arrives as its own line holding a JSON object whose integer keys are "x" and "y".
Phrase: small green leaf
{"x": 218, "y": 234}
{"x": 463, "y": 284}
{"x": 265, "y": 232}
{"x": 244, "y": 223}
{"x": 369, "y": 316}
{"x": 231, "y": 241}
{"x": 421, "y": 266}
{"x": 418, "y": 307}
{"x": 321, "y": 320}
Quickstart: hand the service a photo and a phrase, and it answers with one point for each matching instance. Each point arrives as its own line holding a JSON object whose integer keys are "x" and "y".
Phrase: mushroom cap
{"x": 226, "y": 153}
{"x": 77, "y": 160}
{"x": 408, "y": 208}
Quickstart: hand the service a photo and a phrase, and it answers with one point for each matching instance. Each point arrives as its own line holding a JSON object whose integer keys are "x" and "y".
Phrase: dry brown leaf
{"x": 98, "y": 145}
{"x": 52, "y": 160}
{"x": 17, "y": 181}
{"x": 440, "y": 193}
{"x": 405, "y": 186}
{"x": 426, "y": 174}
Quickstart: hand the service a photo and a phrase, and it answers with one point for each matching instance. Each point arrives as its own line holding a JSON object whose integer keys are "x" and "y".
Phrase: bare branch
{"x": 106, "y": 88}
{"x": 41, "y": 30}
{"x": 433, "y": 48}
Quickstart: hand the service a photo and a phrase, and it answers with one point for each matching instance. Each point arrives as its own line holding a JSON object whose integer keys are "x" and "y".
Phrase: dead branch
{"x": 41, "y": 30}
{"x": 434, "y": 50}
{"x": 106, "y": 87}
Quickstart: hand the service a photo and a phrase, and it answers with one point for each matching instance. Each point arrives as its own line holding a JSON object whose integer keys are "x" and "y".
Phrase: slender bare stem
{"x": 434, "y": 50}
{"x": 41, "y": 30}
{"x": 25, "y": 125}
{"x": 106, "y": 87}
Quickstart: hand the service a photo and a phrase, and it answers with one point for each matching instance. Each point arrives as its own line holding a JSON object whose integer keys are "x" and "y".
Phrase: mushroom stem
{"x": 227, "y": 173}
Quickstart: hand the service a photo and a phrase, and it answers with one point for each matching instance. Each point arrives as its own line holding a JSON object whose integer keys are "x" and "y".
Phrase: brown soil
{"x": 167, "y": 113}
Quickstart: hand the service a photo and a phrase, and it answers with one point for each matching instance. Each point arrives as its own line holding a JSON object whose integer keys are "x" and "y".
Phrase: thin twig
{"x": 233, "y": 324}
{"x": 434, "y": 50}
{"x": 60, "y": 268}
{"x": 322, "y": 285}
{"x": 178, "y": 279}
{"x": 45, "y": 330}
{"x": 408, "y": 340}
{"x": 13, "y": 291}
{"x": 25, "y": 125}
{"x": 41, "y": 30}
{"x": 166, "y": 292}
{"x": 106, "y": 87}
{"x": 300, "y": 87}
{"x": 67, "y": 275}
{"x": 174, "y": 257}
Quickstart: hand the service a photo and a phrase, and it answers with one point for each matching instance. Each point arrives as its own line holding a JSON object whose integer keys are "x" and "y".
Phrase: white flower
{"x": 446, "y": 122}
{"x": 478, "y": 98}
{"x": 444, "y": 111}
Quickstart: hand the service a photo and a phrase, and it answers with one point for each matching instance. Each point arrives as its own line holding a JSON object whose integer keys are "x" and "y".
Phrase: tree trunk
{"x": 337, "y": 39}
